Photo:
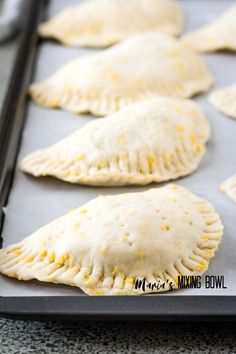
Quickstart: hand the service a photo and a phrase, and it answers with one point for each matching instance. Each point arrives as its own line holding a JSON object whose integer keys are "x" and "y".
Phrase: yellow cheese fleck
{"x": 18, "y": 251}
{"x": 111, "y": 75}
{"x": 100, "y": 292}
{"x": 181, "y": 86}
{"x": 201, "y": 266}
{"x": 74, "y": 268}
{"x": 71, "y": 173}
{"x": 101, "y": 164}
{"x": 29, "y": 259}
{"x": 178, "y": 110}
{"x": 115, "y": 271}
{"x": 204, "y": 238}
{"x": 61, "y": 260}
{"x": 202, "y": 210}
{"x": 83, "y": 211}
{"x": 42, "y": 253}
{"x": 199, "y": 148}
{"x": 165, "y": 227}
{"x": 125, "y": 239}
{"x": 119, "y": 286}
{"x": 181, "y": 128}
{"x": 93, "y": 28}
{"x": 53, "y": 103}
{"x": 80, "y": 157}
{"x": 102, "y": 251}
{"x": 129, "y": 281}
{"x": 193, "y": 139}
{"x": 167, "y": 159}
{"x": 140, "y": 255}
{"x": 208, "y": 253}
{"x": 173, "y": 186}
{"x": 86, "y": 277}
{"x": 151, "y": 160}
{"x": 52, "y": 257}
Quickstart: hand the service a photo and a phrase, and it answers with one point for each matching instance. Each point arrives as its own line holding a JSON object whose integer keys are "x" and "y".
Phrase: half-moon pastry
{"x": 224, "y": 100}
{"x": 220, "y": 34}
{"x": 152, "y": 141}
{"x": 229, "y": 187}
{"x": 100, "y": 23}
{"x": 110, "y": 244}
{"x": 140, "y": 68}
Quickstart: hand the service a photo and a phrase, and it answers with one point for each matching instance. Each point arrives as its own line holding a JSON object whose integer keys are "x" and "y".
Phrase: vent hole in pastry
{"x": 126, "y": 240}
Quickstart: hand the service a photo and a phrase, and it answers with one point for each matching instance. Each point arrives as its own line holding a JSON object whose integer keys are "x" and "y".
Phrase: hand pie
{"x": 225, "y": 100}
{"x": 108, "y": 244}
{"x": 220, "y": 34}
{"x": 151, "y": 141}
{"x": 100, "y": 23}
{"x": 229, "y": 187}
{"x": 139, "y": 68}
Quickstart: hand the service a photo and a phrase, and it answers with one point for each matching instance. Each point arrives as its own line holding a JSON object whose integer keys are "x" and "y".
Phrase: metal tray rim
{"x": 72, "y": 307}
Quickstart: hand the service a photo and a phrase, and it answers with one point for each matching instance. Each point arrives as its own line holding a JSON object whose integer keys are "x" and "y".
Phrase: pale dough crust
{"x": 152, "y": 141}
{"x": 142, "y": 67}
{"x": 225, "y": 100}
{"x": 220, "y": 34}
{"x": 100, "y": 23}
{"x": 104, "y": 246}
{"x": 229, "y": 187}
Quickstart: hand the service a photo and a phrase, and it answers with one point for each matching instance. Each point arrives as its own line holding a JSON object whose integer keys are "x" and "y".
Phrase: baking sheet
{"x": 35, "y": 202}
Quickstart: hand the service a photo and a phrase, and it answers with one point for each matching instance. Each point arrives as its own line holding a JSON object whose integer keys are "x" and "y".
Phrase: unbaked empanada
{"x": 229, "y": 187}
{"x": 139, "y": 68}
{"x": 151, "y": 141}
{"x": 108, "y": 244}
{"x": 220, "y": 34}
{"x": 99, "y": 23}
{"x": 225, "y": 100}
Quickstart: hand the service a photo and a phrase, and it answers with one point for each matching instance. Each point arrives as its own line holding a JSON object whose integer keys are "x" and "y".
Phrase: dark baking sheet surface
{"x": 35, "y": 202}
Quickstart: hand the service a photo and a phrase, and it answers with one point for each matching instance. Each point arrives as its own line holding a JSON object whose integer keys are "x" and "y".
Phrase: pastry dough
{"x": 139, "y": 68}
{"x": 100, "y": 23}
{"x": 151, "y": 141}
{"x": 220, "y": 34}
{"x": 225, "y": 100}
{"x": 229, "y": 187}
{"x": 106, "y": 245}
